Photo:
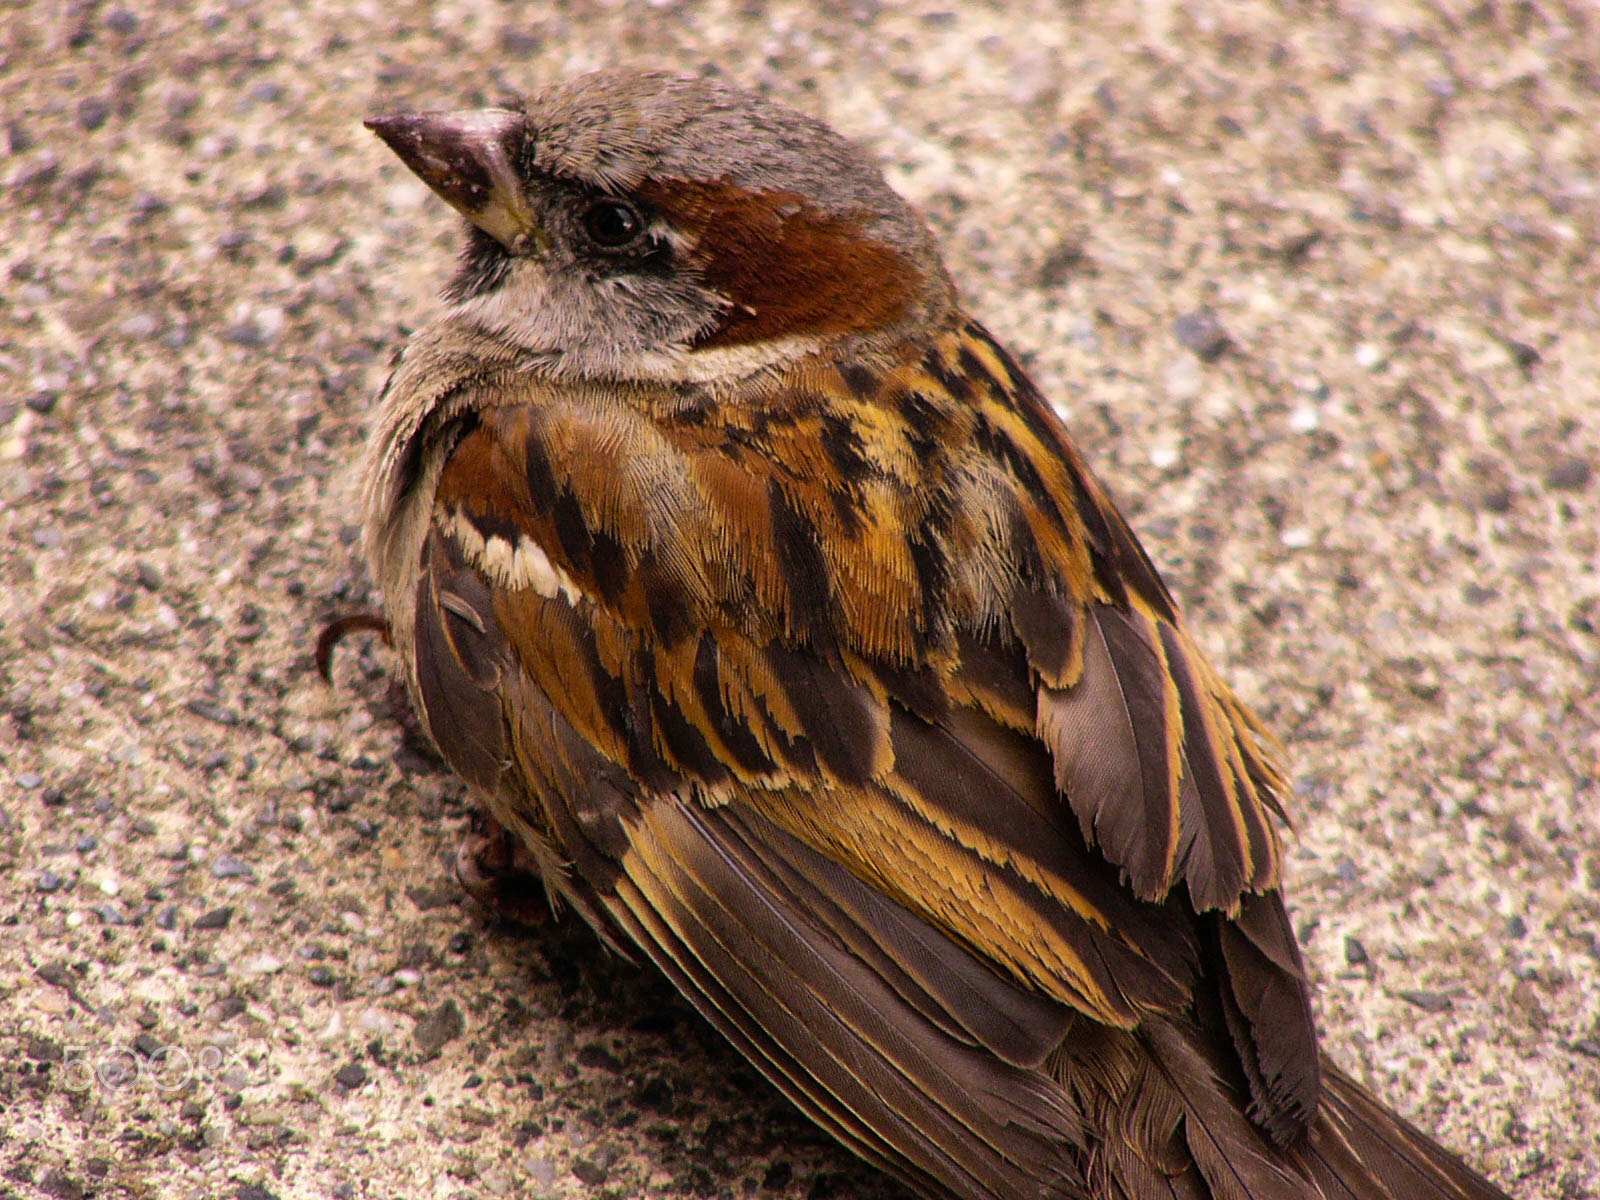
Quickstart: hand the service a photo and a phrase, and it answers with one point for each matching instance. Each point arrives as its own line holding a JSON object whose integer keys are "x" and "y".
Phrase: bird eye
{"x": 612, "y": 223}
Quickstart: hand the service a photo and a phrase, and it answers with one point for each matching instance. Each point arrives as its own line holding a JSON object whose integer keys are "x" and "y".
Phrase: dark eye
{"x": 612, "y": 223}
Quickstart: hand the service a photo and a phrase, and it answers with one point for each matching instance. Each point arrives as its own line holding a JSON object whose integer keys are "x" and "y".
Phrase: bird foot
{"x": 495, "y": 870}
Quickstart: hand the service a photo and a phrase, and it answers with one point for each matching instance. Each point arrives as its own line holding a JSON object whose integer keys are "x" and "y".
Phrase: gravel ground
{"x": 1316, "y": 287}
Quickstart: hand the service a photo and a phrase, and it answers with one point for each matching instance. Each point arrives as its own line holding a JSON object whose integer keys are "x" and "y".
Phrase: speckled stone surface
{"x": 1316, "y": 286}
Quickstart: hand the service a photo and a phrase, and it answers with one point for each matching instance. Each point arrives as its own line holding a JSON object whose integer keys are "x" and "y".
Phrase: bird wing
{"x": 886, "y": 1030}
{"x": 859, "y": 708}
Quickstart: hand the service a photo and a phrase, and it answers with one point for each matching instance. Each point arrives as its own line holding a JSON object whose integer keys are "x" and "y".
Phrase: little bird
{"x": 773, "y": 615}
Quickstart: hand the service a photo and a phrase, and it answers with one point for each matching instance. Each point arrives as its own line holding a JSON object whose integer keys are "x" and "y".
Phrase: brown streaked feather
{"x": 1123, "y": 568}
{"x": 968, "y": 1120}
{"x": 803, "y": 708}
{"x": 981, "y": 787}
{"x": 1227, "y": 1150}
{"x": 457, "y": 665}
{"x": 1262, "y": 988}
{"x": 1359, "y": 1139}
{"x": 1089, "y": 731}
{"x": 937, "y": 977}
{"x": 991, "y": 676}
{"x": 1051, "y": 628}
{"x": 954, "y": 834}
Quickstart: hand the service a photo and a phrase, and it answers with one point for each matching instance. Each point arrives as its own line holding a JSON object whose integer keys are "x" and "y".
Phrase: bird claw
{"x": 494, "y": 871}
{"x": 334, "y": 632}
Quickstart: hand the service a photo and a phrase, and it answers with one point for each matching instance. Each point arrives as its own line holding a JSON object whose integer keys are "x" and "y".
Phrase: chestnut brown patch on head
{"x": 786, "y": 266}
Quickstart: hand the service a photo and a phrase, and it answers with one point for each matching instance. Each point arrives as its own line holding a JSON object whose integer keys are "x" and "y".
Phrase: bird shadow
{"x": 644, "y": 1066}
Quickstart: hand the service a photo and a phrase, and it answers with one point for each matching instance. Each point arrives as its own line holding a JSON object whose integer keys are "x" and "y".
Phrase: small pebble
{"x": 56, "y": 1182}
{"x": 1433, "y": 1002}
{"x": 140, "y": 325}
{"x": 1569, "y": 475}
{"x": 146, "y": 205}
{"x": 92, "y": 112}
{"x": 1202, "y": 333}
{"x": 260, "y": 328}
{"x": 1163, "y": 455}
{"x": 1304, "y": 419}
{"x": 1524, "y": 355}
{"x": 519, "y": 43}
{"x": 440, "y": 1027}
{"x": 221, "y": 714}
{"x": 352, "y": 1075}
{"x": 541, "y": 1171}
{"x": 1354, "y": 952}
{"x": 227, "y": 866}
{"x": 590, "y": 1173}
{"x": 217, "y": 918}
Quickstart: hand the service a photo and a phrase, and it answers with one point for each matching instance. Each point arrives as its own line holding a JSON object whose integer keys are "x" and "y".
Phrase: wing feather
{"x": 843, "y": 1036}
{"x": 1092, "y": 732}
{"x": 896, "y": 841}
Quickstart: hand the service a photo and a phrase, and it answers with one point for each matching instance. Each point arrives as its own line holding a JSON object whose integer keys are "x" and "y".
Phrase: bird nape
{"x": 771, "y": 611}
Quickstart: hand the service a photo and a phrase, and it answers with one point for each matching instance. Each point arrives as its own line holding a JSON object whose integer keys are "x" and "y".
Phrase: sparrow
{"x": 779, "y": 625}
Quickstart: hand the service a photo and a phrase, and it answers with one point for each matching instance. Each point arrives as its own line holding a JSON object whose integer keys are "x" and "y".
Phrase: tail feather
{"x": 1176, "y": 1128}
{"x": 1358, "y": 1149}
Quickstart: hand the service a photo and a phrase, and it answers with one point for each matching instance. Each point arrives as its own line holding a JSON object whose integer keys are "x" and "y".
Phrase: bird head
{"x": 646, "y": 225}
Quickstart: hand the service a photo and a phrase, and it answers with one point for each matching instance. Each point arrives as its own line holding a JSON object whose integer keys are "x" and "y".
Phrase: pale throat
{"x": 575, "y": 348}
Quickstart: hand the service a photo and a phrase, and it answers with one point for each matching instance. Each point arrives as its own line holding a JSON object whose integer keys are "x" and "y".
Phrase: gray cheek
{"x": 580, "y": 322}
{"x": 647, "y": 314}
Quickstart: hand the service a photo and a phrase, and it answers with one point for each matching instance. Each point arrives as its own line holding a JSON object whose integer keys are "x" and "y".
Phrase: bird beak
{"x": 470, "y": 159}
